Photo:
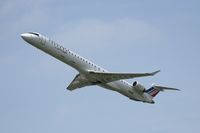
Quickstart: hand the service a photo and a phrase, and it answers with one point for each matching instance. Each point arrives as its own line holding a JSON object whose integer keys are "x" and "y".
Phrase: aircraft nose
{"x": 26, "y": 36}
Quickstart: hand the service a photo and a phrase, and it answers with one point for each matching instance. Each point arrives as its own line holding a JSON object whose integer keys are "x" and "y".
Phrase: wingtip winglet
{"x": 153, "y": 73}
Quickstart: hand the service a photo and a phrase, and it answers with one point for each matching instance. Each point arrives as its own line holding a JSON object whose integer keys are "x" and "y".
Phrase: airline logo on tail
{"x": 153, "y": 91}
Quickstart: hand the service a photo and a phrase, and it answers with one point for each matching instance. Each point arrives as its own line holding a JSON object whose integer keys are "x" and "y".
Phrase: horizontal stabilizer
{"x": 161, "y": 88}
{"x": 154, "y": 90}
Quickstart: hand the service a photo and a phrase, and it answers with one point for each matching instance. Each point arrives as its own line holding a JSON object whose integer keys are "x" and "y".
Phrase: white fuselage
{"x": 82, "y": 65}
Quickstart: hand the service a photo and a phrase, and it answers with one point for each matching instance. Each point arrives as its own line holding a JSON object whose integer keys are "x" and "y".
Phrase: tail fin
{"x": 154, "y": 90}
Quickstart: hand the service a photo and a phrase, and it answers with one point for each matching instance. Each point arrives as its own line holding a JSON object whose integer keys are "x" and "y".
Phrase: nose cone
{"x": 26, "y": 37}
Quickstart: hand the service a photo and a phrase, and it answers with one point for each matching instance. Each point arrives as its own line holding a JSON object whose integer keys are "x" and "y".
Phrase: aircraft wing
{"x": 79, "y": 82}
{"x": 95, "y": 78}
{"x": 103, "y": 77}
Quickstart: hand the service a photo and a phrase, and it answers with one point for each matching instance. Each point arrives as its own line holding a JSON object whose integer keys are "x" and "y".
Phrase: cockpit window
{"x": 34, "y": 33}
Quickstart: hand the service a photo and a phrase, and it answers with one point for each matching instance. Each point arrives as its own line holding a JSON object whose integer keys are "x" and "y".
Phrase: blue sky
{"x": 122, "y": 36}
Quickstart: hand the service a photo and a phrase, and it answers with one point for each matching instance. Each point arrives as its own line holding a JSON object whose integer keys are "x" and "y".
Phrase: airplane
{"x": 92, "y": 74}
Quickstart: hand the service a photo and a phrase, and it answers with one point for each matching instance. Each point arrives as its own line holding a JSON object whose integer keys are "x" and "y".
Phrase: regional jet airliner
{"x": 91, "y": 74}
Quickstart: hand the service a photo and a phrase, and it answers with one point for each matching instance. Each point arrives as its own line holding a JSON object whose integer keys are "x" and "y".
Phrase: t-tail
{"x": 154, "y": 90}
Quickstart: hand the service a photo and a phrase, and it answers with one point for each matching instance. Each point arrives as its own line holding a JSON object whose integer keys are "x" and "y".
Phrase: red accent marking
{"x": 154, "y": 93}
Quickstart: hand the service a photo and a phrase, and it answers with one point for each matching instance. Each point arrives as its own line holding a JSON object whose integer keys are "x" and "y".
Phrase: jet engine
{"x": 138, "y": 87}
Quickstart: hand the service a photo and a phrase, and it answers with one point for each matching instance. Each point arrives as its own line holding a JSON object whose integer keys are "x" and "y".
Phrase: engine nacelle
{"x": 138, "y": 87}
